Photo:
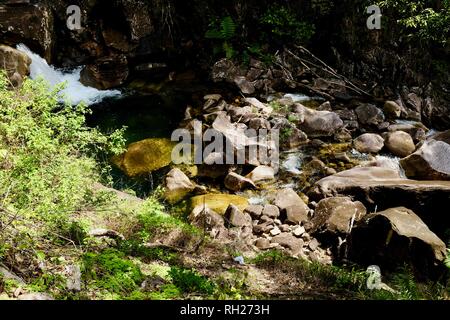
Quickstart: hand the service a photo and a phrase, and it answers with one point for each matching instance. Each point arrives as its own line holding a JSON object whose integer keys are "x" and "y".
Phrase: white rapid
{"x": 75, "y": 92}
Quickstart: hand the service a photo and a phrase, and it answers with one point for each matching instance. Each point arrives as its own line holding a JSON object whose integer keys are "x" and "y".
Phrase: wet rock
{"x": 177, "y": 186}
{"x": 337, "y": 215}
{"x": 369, "y": 114}
{"x": 106, "y": 73}
{"x": 236, "y": 218}
{"x": 400, "y": 143}
{"x": 15, "y": 63}
{"x": 262, "y": 174}
{"x": 369, "y": 143}
{"x": 430, "y": 162}
{"x": 271, "y": 211}
{"x": 394, "y": 237}
{"x": 236, "y": 182}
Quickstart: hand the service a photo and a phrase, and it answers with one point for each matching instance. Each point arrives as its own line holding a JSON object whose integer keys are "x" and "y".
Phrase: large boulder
{"x": 236, "y": 182}
{"x": 320, "y": 123}
{"x": 262, "y": 174}
{"x": 337, "y": 215}
{"x": 145, "y": 156}
{"x": 178, "y": 186}
{"x": 382, "y": 188}
{"x": 394, "y": 237}
{"x": 218, "y": 202}
{"x": 15, "y": 63}
{"x": 285, "y": 198}
{"x": 431, "y": 161}
{"x": 369, "y": 143}
{"x": 400, "y": 143}
{"x": 370, "y": 115}
{"x": 106, "y": 73}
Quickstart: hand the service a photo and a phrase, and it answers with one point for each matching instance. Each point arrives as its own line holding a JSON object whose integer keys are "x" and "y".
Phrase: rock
{"x": 28, "y": 23}
{"x": 313, "y": 244}
{"x": 74, "y": 278}
{"x": 369, "y": 114}
{"x": 102, "y": 232}
{"x": 320, "y": 123}
{"x": 369, "y": 143}
{"x": 178, "y": 186}
{"x": 214, "y": 97}
{"x": 297, "y": 214}
{"x": 15, "y": 63}
{"x": 145, "y": 156}
{"x": 212, "y": 106}
{"x": 287, "y": 240}
{"x": 275, "y": 231}
{"x": 298, "y": 231}
{"x": 430, "y": 162}
{"x": 35, "y": 296}
{"x": 259, "y": 123}
{"x": 392, "y": 110}
{"x": 263, "y": 244}
{"x": 255, "y": 211}
{"x": 261, "y": 174}
{"x": 236, "y": 218}
{"x": 241, "y": 114}
{"x": 263, "y": 227}
{"x": 210, "y": 221}
{"x": 271, "y": 211}
{"x": 218, "y": 202}
{"x": 8, "y": 275}
{"x": 224, "y": 70}
{"x": 288, "y": 198}
{"x": 106, "y": 73}
{"x": 236, "y": 182}
{"x": 337, "y": 215}
{"x": 261, "y": 107}
{"x": 400, "y": 143}
{"x": 394, "y": 237}
{"x": 386, "y": 188}
{"x": 244, "y": 85}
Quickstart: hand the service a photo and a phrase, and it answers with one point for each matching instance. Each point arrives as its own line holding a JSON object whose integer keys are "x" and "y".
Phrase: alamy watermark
{"x": 74, "y": 17}
{"x": 231, "y": 147}
{"x": 374, "y": 21}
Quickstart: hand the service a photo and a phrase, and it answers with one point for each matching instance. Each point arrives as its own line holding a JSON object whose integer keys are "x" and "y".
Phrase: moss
{"x": 219, "y": 202}
{"x": 145, "y": 156}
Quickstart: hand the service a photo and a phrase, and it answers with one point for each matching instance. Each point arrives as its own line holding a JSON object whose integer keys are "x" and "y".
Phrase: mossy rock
{"x": 219, "y": 202}
{"x": 145, "y": 156}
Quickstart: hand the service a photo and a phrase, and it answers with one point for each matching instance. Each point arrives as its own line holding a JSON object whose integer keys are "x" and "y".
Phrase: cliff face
{"x": 121, "y": 37}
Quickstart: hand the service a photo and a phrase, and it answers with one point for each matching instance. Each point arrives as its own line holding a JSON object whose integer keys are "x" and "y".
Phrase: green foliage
{"x": 284, "y": 25}
{"x": 447, "y": 259}
{"x": 111, "y": 271}
{"x": 422, "y": 19}
{"x": 224, "y": 30}
{"x": 190, "y": 281}
{"x": 48, "y": 154}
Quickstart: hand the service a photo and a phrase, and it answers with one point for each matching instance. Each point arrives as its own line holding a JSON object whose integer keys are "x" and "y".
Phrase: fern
{"x": 226, "y": 33}
{"x": 447, "y": 259}
{"x": 228, "y": 28}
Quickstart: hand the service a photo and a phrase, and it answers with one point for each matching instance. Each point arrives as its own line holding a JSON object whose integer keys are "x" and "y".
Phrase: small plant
{"x": 190, "y": 281}
{"x": 224, "y": 30}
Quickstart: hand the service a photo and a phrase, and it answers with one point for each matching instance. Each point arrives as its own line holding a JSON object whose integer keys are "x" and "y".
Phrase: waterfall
{"x": 75, "y": 92}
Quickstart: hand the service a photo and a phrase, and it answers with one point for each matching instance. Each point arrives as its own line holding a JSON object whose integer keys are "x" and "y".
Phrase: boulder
{"x": 336, "y": 215}
{"x": 218, "y": 202}
{"x": 271, "y": 211}
{"x": 287, "y": 198}
{"x": 392, "y": 109}
{"x": 208, "y": 220}
{"x": 255, "y": 211}
{"x": 289, "y": 241}
{"x": 106, "y": 73}
{"x": 430, "y": 162}
{"x": 297, "y": 214}
{"x": 384, "y": 188}
{"x": 236, "y": 218}
{"x": 244, "y": 85}
{"x": 145, "y": 156}
{"x": 236, "y": 182}
{"x": 400, "y": 143}
{"x": 177, "y": 186}
{"x": 15, "y": 63}
{"x": 261, "y": 174}
{"x": 369, "y": 143}
{"x": 395, "y": 237}
{"x": 370, "y": 115}
{"x": 320, "y": 123}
